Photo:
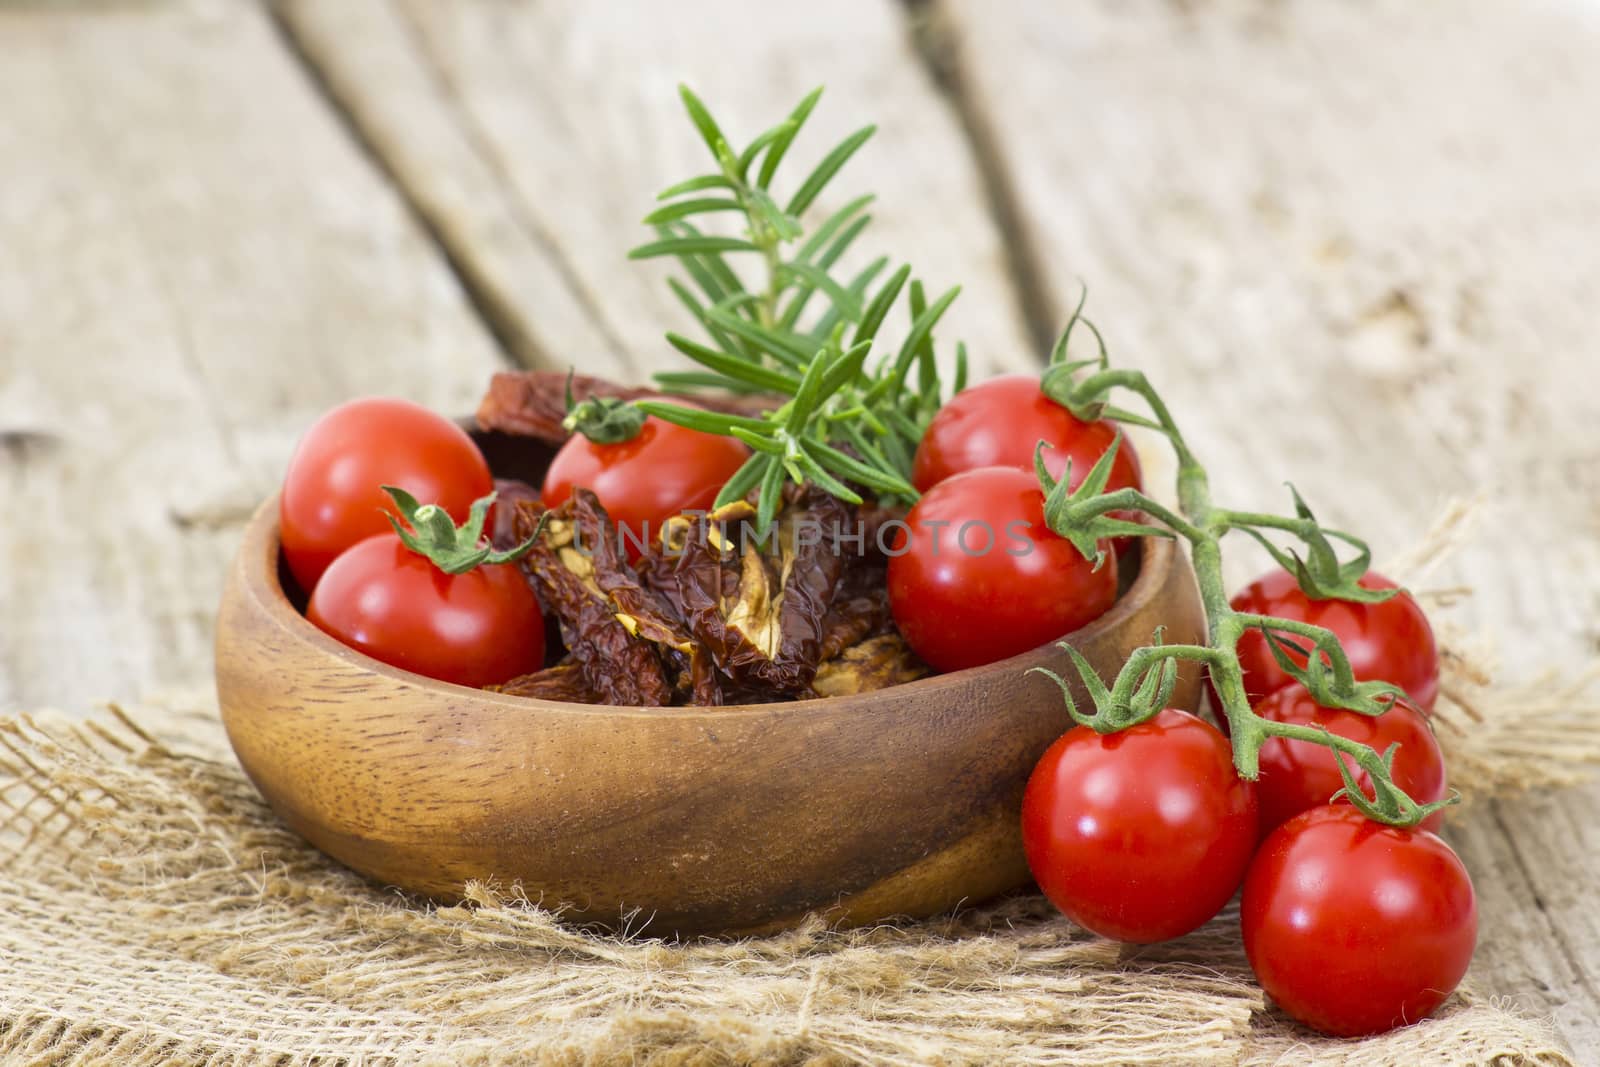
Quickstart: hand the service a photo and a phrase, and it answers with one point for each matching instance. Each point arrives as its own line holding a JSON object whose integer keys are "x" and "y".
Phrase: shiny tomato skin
{"x": 1353, "y": 927}
{"x": 333, "y": 496}
{"x": 1389, "y": 642}
{"x": 480, "y": 628}
{"x": 961, "y": 607}
{"x": 998, "y": 423}
{"x": 1299, "y": 775}
{"x": 1141, "y": 835}
{"x": 644, "y": 481}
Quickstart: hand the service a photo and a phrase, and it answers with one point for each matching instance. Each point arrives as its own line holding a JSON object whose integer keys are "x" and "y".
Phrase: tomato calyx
{"x": 1143, "y": 689}
{"x": 1081, "y": 515}
{"x": 1389, "y": 804}
{"x": 1320, "y": 574}
{"x": 453, "y": 549}
{"x": 1327, "y": 685}
{"x": 1059, "y": 379}
{"x": 605, "y": 420}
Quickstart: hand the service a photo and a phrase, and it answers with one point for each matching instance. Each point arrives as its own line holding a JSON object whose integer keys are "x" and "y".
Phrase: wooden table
{"x": 1355, "y": 245}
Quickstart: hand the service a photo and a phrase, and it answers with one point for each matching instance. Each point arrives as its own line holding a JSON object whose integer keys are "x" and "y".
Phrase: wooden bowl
{"x": 902, "y": 801}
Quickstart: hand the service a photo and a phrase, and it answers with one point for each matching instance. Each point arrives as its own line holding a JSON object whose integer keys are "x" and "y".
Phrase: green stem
{"x": 1299, "y": 527}
{"x": 1134, "y": 500}
{"x": 764, "y": 237}
{"x": 767, "y": 309}
{"x": 1203, "y": 525}
{"x": 1322, "y": 640}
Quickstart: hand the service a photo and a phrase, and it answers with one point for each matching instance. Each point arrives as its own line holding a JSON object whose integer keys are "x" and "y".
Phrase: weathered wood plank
{"x": 1347, "y": 263}
{"x": 568, "y": 122}
{"x": 195, "y": 260}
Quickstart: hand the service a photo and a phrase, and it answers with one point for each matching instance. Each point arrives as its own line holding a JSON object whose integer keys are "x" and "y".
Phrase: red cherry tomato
{"x": 333, "y": 496}
{"x": 976, "y": 576}
{"x": 1390, "y": 642}
{"x": 1354, "y": 927}
{"x": 479, "y": 628}
{"x": 644, "y": 481}
{"x": 1299, "y": 775}
{"x": 998, "y": 423}
{"x": 1140, "y": 835}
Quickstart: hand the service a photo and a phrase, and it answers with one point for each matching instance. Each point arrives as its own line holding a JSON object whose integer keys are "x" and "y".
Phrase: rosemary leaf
{"x": 780, "y": 144}
{"x": 784, "y": 347}
{"x": 748, "y": 156}
{"x": 804, "y": 290}
{"x": 680, "y": 380}
{"x": 857, "y": 288}
{"x": 845, "y": 368}
{"x": 696, "y": 185}
{"x": 831, "y": 226}
{"x": 819, "y": 178}
{"x": 739, "y": 369}
{"x": 771, "y": 495}
{"x": 698, "y": 310}
{"x": 680, "y": 246}
{"x": 846, "y": 465}
{"x": 876, "y": 311}
{"x": 743, "y": 480}
{"x": 698, "y": 418}
{"x": 807, "y": 397}
{"x": 920, "y": 331}
{"x": 684, "y": 208}
{"x": 816, "y": 278}
{"x": 761, "y": 442}
{"x": 817, "y": 473}
{"x": 704, "y": 123}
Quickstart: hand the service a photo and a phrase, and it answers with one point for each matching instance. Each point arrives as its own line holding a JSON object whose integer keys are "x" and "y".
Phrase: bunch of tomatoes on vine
{"x": 1317, "y": 784}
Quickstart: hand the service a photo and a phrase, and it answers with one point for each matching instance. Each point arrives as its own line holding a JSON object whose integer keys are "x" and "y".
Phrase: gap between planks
{"x": 934, "y": 39}
{"x": 439, "y": 93}
{"x": 513, "y": 347}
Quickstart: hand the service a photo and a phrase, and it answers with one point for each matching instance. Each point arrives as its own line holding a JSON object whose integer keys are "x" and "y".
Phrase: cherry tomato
{"x": 1299, "y": 775}
{"x": 333, "y": 496}
{"x": 1389, "y": 642}
{"x": 1354, "y": 927}
{"x": 1144, "y": 834}
{"x": 976, "y": 576}
{"x": 479, "y": 628}
{"x": 644, "y": 481}
{"x": 998, "y": 423}
{"x": 1140, "y": 835}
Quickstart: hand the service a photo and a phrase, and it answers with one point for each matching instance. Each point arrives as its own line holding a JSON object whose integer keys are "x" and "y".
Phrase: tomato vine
{"x": 1145, "y": 683}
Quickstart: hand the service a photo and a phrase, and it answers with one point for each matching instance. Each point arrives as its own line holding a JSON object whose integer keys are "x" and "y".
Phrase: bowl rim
{"x": 258, "y": 565}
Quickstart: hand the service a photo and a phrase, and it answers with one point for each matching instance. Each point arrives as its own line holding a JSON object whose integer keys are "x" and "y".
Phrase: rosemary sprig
{"x": 851, "y": 417}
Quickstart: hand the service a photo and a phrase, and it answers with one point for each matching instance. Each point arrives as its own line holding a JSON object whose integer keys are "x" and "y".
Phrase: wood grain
{"x": 567, "y": 122}
{"x": 1347, "y": 264}
{"x": 901, "y": 801}
{"x": 195, "y": 261}
{"x": 1366, "y": 230}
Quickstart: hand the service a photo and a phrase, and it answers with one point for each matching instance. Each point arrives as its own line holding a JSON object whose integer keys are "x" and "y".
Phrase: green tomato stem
{"x": 1328, "y": 673}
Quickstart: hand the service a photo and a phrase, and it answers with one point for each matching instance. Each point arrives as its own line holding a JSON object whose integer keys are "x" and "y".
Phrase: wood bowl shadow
{"x": 740, "y": 819}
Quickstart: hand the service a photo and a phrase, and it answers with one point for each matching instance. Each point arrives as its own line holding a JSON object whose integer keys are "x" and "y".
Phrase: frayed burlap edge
{"x": 157, "y": 913}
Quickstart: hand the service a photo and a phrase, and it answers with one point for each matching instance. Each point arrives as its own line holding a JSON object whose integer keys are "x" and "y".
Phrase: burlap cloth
{"x": 156, "y": 912}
